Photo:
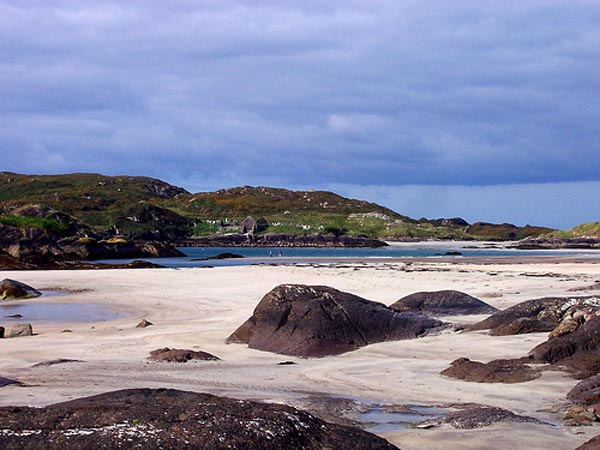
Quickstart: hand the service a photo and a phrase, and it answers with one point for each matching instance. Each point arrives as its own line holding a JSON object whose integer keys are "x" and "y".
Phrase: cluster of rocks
{"x": 30, "y": 247}
{"x": 314, "y": 321}
{"x": 539, "y": 315}
{"x": 171, "y": 419}
{"x": 542, "y": 243}
{"x": 16, "y": 290}
{"x": 573, "y": 345}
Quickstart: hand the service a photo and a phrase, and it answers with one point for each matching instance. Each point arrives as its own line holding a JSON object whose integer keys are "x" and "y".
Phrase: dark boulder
{"x": 180, "y": 355}
{"x": 2, "y": 329}
{"x": 170, "y": 419}
{"x": 443, "y": 303}
{"x": 531, "y": 316}
{"x": 497, "y": 371}
{"x": 313, "y": 321}
{"x": 225, "y": 255}
{"x": 7, "y": 382}
{"x": 571, "y": 349}
{"x": 15, "y": 290}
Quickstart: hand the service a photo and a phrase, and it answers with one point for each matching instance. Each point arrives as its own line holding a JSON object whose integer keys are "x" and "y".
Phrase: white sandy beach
{"x": 199, "y": 308}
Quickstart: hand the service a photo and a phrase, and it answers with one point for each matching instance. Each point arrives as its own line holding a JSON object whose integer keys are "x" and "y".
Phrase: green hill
{"x": 147, "y": 208}
{"x": 123, "y": 204}
{"x": 584, "y": 230}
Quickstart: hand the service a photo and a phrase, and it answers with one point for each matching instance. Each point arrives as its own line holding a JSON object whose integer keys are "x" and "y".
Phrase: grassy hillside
{"x": 590, "y": 229}
{"x": 131, "y": 205}
{"x": 152, "y": 209}
{"x": 266, "y": 201}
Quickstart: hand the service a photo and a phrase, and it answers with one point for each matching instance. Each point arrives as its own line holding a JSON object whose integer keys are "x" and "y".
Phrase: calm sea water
{"x": 275, "y": 255}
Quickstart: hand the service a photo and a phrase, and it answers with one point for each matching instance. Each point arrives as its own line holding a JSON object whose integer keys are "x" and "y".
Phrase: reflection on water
{"x": 32, "y": 312}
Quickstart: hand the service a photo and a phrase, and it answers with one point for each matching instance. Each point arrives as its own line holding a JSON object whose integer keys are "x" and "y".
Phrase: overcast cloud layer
{"x": 372, "y": 94}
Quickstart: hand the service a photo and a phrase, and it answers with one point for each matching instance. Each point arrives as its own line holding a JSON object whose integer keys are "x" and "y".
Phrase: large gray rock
{"x": 168, "y": 419}
{"x": 22, "y": 329}
{"x": 313, "y": 321}
{"x": 443, "y": 303}
{"x": 16, "y": 290}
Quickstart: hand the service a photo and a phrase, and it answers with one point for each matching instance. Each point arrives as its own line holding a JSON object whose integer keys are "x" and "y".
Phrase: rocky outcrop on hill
{"x": 180, "y": 355}
{"x": 281, "y": 240}
{"x": 314, "y": 321}
{"x": 443, "y": 303}
{"x": 531, "y": 316}
{"x": 36, "y": 246}
{"x": 15, "y": 290}
{"x": 171, "y": 419}
{"x": 497, "y": 371}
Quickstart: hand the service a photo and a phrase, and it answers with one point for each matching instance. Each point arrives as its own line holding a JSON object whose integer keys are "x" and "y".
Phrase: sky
{"x": 481, "y": 109}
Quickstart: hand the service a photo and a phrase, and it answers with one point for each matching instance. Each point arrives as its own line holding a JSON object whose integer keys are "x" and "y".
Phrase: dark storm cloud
{"x": 230, "y": 92}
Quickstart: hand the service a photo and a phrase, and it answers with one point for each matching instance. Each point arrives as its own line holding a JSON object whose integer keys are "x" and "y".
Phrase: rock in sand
{"x": 170, "y": 419}
{"x": 180, "y": 355}
{"x": 144, "y": 324}
{"x": 443, "y": 303}
{"x": 314, "y": 321}
{"x": 15, "y": 290}
{"x": 20, "y": 330}
{"x": 497, "y": 371}
{"x": 531, "y": 316}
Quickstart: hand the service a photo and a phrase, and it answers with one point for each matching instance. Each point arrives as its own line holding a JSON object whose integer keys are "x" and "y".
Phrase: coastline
{"x": 199, "y": 307}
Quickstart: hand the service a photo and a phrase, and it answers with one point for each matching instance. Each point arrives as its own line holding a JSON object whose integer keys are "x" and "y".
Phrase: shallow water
{"x": 378, "y": 420}
{"x": 39, "y": 311}
{"x": 310, "y": 255}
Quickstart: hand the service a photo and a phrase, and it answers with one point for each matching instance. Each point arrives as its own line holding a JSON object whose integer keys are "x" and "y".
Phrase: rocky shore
{"x": 542, "y": 243}
{"x": 281, "y": 240}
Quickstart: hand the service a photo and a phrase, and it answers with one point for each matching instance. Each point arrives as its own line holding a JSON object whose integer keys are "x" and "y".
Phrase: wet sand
{"x": 199, "y": 308}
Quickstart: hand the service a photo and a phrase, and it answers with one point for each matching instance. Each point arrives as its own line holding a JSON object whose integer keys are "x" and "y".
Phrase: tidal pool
{"x": 41, "y": 311}
{"x": 378, "y": 420}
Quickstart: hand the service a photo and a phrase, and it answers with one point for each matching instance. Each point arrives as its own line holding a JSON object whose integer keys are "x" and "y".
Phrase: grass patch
{"x": 47, "y": 224}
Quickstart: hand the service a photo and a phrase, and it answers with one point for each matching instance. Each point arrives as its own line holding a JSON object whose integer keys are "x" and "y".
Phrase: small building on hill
{"x": 248, "y": 226}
